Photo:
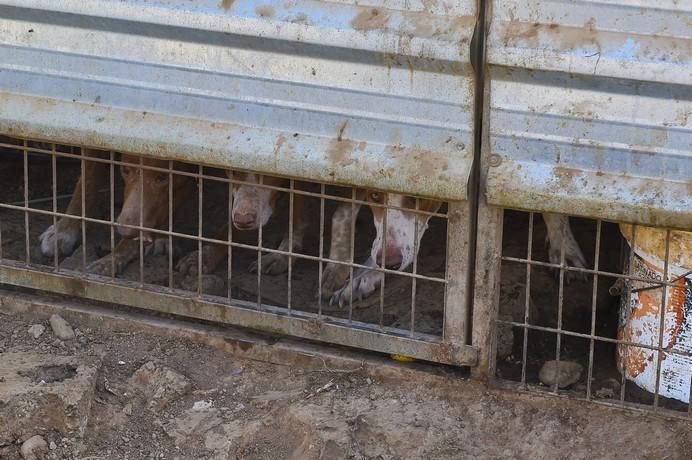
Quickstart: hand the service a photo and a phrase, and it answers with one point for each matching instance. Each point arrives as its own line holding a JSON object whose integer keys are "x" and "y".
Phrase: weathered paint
{"x": 589, "y": 109}
{"x": 640, "y": 314}
{"x": 262, "y": 85}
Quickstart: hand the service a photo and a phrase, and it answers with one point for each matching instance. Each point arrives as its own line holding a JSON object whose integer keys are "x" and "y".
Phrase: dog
{"x": 65, "y": 236}
{"x": 252, "y": 208}
{"x": 396, "y": 243}
{"x": 145, "y": 194}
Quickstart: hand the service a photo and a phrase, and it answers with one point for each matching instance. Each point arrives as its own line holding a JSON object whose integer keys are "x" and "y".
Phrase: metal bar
{"x": 222, "y": 242}
{"x": 630, "y": 406}
{"x": 200, "y": 248}
{"x": 628, "y": 281}
{"x": 170, "y": 223}
{"x": 229, "y": 266}
{"x": 259, "y": 251}
{"x": 662, "y": 320}
{"x": 291, "y": 222}
{"x": 486, "y": 300}
{"x": 54, "y": 183}
{"x": 352, "y": 237}
{"x": 321, "y": 253}
{"x": 243, "y": 314}
{"x": 111, "y": 200}
{"x": 594, "y": 297}
{"x": 383, "y": 263}
{"x": 141, "y": 221}
{"x": 456, "y": 311}
{"x": 82, "y": 205}
{"x": 240, "y": 182}
{"x": 414, "y": 270}
{"x": 586, "y": 271}
{"x": 27, "y": 247}
{"x": 527, "y": 301}
{"x": 560, "y": 302}
{"x": 595, "y": 337}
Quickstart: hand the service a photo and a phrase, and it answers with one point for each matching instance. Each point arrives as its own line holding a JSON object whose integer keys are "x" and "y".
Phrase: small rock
{"x": 605, "y": 392}
{"x": 61, "y": 328}
{"x": 159, "y": 384}
{"x": 52, "y": 445}
{"x": 127, "y": 410}
{"x": 33, "y": 448}
{"x": 368, "y": 381}
{"x": 565, "y": 373}
{"x": 36, "y": 330}
{"x": 201, "y": 405}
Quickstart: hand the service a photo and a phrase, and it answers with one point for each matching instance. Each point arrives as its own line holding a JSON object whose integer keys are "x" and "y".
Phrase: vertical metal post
{"x": 456, "y": 314}
{"x": 486, "y": 298}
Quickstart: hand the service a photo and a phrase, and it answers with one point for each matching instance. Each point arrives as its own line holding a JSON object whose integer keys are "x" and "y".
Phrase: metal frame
{"x": 449, "y": 347}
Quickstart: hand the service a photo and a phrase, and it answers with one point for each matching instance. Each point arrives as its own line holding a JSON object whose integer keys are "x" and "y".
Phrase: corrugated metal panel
{"x": 590, "y": 108}
{"x": 376, "y": 93}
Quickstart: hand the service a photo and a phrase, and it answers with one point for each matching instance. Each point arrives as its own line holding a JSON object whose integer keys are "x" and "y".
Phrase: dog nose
{"x": 244, "y": 219}
{"x": 392, "y": 260}
{"x": 126, "y": 232}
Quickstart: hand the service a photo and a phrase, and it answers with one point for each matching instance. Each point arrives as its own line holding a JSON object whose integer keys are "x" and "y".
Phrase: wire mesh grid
{"x": 356, "y": 258}
{"x": 612, "y": 326}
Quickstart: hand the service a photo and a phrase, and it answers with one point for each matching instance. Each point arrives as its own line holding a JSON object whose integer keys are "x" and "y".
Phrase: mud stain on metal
{"x": 265, "y": 11}
{"x": 342, "y": 128}
{"x": 567, "y": 37}
{"x": 339, "y": 152}
{"x": 369, "y": 19}
{"x": 226, "y": 4}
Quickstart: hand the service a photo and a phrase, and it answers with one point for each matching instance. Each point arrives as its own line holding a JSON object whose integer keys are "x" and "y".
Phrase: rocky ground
{"x": 70, "y": 391}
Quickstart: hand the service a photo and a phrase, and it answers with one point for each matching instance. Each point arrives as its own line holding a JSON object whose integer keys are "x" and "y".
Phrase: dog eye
{"x": 374, "y": 196}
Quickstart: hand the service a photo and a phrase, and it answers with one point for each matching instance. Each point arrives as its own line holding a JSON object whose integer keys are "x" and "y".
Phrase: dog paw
{"x": 160, "y": 246}
{"x": 189, "y": 265}
{"x": 104, "y": 265}
{"x": 334, "y": 276}
{"x": 272, "y": 264}
{"x": 364, "y": 283}
{"x": 66, "y": 237}
{"x": 573, "y": 257}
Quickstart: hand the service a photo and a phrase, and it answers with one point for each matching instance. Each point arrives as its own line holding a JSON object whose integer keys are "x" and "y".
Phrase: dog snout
{"x": 127, "y": 232}
{"x": 245, "y": 219}
{"x": 392, "y": 257}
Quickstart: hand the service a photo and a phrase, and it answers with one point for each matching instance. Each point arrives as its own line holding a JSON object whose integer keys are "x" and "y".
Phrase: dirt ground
{"x": 241, "y": 409}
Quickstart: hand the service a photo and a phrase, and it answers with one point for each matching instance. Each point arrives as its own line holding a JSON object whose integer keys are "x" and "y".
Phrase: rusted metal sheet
{"x": 244, "y": 314}
{"x": 589, "y": 109}
{"x": 377, "y": 95}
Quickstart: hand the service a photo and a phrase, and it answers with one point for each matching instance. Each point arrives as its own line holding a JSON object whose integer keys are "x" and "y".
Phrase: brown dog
{"x": 65, "y": 235}
{"x": 153, "y": 188}
{"x": 145, "y": 204}
{"x": 252, "y": 207}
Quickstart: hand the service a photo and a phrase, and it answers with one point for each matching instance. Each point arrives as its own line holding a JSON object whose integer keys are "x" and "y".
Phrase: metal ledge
{"x": 272, "y": 320}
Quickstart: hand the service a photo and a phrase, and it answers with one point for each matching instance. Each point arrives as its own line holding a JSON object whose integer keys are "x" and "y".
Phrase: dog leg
{"x": 275, "y": 264}
{"x": 66, "y": 233}
{"x": 334, "y": 276}
{"x": 559, "y": 233}
{"x": 364, "y": 283}
{"x": 124, "y": 252}
{"x": 212, "y": 256}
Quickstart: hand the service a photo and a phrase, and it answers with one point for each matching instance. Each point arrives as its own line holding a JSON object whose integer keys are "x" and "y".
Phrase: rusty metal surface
{"x": 273, "y": 320}
{"x": 589, "y": 109}
{"x": 377, "y": 95}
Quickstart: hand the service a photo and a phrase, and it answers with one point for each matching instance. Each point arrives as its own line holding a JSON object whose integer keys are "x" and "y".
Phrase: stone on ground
{"x": 45, "y": 392}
